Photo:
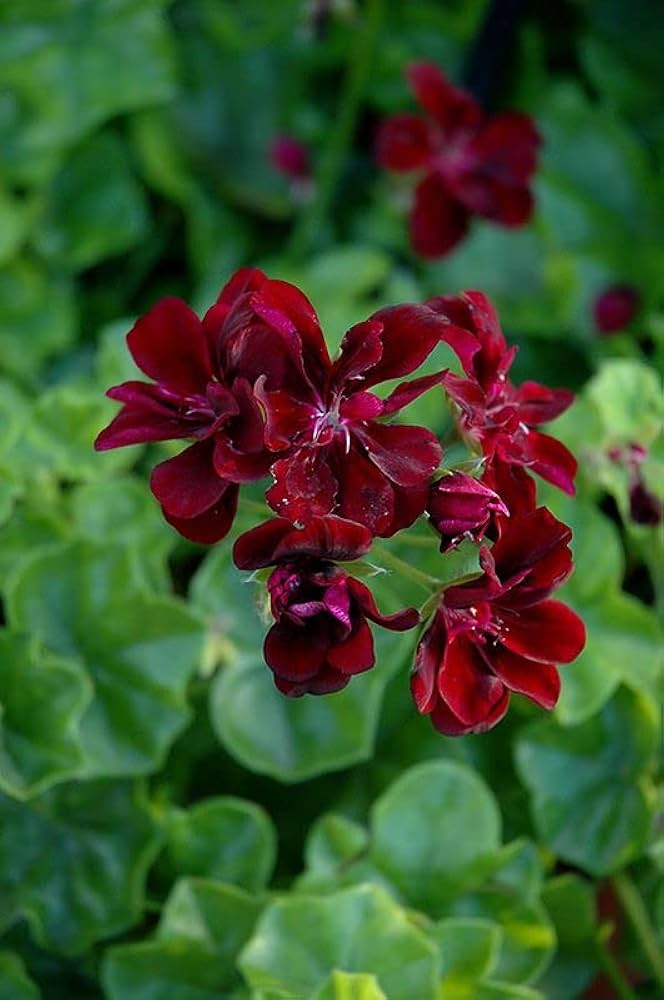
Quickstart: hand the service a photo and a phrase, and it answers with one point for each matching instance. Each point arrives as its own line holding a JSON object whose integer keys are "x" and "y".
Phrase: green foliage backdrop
{"x": 171, "y": 828}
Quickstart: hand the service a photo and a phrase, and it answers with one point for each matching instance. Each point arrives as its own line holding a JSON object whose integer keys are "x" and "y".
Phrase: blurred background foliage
{"x": 151, "y": 777}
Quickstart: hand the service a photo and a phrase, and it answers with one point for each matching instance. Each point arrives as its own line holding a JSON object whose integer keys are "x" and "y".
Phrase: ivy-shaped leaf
{"x": 592, "y": 797}
{"x": 73, "y": 861}
{"x": 299, "y": 941}
{"x": 228, "y": 839}
{"x": 42, "y": 698}
{"x": 139, "y": 650}
{"x": 203, "y": 926}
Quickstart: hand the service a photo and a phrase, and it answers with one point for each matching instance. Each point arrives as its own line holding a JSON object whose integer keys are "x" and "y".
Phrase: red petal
{"x": 304, "y": 486}
{"x": 285, "y": 416}
{"x": 145, "y": 417}
{"x": 361, "y": 348}
{"x": 437, "y": 222}
{"x": 406, "y": 455}
{"x": 326, "y": 681}
{"x": 288, "y": 311}
{"x": 399, "y": 621}
{"x": 428, "y": 659}
{"x": 406, "y": 392}
{"x": 513, "y": 485}
{"x": 539, "y": 404}
{"x": 447, "y": 723}
{"x": 538, "y": 681}
{"x": 549, "y": 632}
{"x": 409, "y": 334}
{"x": 507, "y": 147}
{"x": 527, "y": 540}
{"x": 356, "y": 653}
{"x": 213, "y": 524}
{"x": 365, "y": 494}
{"x": 169, "y": 345}
{"x": 452, "y": 107}
{"x": 187, "y": 485}
{"x": 409, "y": 503}
{"x": 255, "y": 548}
{"x": 551, "y": 460}
{"x": 247, "y": 279}
{"x": 326, "y": 538}
{"x": 466, "y": 685}
{"x": 296, "y": 654}
{"x": 405, "y": 142}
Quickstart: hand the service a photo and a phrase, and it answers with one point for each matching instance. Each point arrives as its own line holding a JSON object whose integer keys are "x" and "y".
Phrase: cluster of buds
{"x": 253, "y": 390}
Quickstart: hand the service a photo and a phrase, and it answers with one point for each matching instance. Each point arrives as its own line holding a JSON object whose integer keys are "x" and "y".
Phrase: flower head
{"x": 500, "y": 633}
{"x": 460, "y": 506}
{"x": 204, "y": 373}
{"x": 339, "y": 455}
{"x": 320, "y": 637}
{"x": 615, "y": 308}
{"x": 469, "y": 164}
{"x": 493, "y": 413}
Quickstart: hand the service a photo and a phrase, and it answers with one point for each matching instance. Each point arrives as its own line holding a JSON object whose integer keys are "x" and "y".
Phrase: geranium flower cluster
{"x": 253, "y": 390}
{"x": 467, "y": 163}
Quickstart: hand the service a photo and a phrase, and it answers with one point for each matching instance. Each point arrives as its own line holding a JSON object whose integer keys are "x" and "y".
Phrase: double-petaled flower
{"x": 494, "y": 414}
{"x": 340, "y": 456}
{"x": 254, "y": 387}
{"x": 500, "y": 633}
{"x": 470, "y": 164}
{"x": 320, "y": 637}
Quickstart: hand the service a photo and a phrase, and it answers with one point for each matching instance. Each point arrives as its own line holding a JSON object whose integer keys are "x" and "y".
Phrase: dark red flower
{"x": 470, "y": 164}
{"x": 204, "y": 374}
{"x": 644, "y": 506}
{"x": 500, "y": 633}
{"x": 615, "y": 308}
{"x": 460, "y": 507}
{"x": 339, "y": 457}
{"x": 290, "y": 157}
{"x": 320, "y": 637}
{"x": 494, "y": 414}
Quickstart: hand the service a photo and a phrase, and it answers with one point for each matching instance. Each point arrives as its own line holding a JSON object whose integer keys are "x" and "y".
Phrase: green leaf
{"x": 570, "y": 902}
{"x": 336, "y": 855}
{"x": 350, "y": 986}
{"x": 628, "y": 397}
{"x": 469, "y": 949}
{"x": 289, "y": 739}
{"x": 510, "y": 897}
{"x": 42, "y": 698}
{"x": 123, "y": 511}
{"x": 591, "y": 796}
{"x": 435, "y": 832}
{"x": 192, "y": 956}
{"x": 42, "y": 308}
{"x": 68, "y": 67}
{"x": 15, "y": 984}
{"x": 299, "y": 941}
{"x": 73, "y": 862}
{"x": 624, "y": 643}
{"x": 94, "y": 206}
{"x": 139, "y": 650}
{"x": 224, "y": 838}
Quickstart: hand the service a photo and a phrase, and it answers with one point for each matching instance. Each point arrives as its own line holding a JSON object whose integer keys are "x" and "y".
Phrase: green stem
{"x": 313, "y": 217}
{"x": 416, "y": 575}
{"x": 612, "y": 970}
{"x": 637, "y": 914}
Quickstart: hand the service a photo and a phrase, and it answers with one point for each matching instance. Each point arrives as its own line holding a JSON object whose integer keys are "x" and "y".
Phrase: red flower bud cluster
{"x": 254, "y": 391}
{"x": 468, "y": 164}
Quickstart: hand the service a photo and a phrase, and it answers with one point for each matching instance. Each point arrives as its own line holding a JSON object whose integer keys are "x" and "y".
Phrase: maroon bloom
{"x": 493, "y": 413}
{"x": 204, "y": 374}
{"x": 470, "y": 164}
{"x": 615, "y": 308}
{"x": 460, "y": 507}
{"x": 320, "y": 637}
{"x": 644, "y": 506}
{"x": 500, "y": 633}
{"x": 290, "y": 157}
{"x": 339, "y": 457}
